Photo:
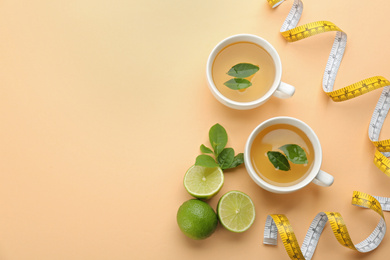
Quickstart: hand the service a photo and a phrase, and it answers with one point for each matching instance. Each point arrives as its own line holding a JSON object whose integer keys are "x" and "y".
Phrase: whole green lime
{"x": 197, "y": 219}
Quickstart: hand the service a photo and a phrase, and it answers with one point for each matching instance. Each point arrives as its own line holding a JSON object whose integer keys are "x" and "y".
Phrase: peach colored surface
{"x": 103, "y": 106}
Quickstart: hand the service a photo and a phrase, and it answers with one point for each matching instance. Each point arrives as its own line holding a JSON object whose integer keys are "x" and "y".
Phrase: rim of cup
{"x": 309, "y": 133}
{"x": 244, "y": 38}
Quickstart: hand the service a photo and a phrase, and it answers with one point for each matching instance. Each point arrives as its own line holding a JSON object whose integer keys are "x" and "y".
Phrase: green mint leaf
{"x": 218, "y": 138}
{"x": 238, "y": 160}
{"x": 237, "y": 83}
{"x": 206, "y": 161}
{"x": 294, "y": 153}
{"x": 243, "y": 70}
{"x": 279, "y": 161}
{"x": 225, "y": 158}
{"x": 205, "y": 149}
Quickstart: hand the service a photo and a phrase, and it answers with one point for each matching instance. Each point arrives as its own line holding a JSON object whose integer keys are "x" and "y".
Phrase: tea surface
{"x": 270, "y": 139}
{"x": 244, "y": 52}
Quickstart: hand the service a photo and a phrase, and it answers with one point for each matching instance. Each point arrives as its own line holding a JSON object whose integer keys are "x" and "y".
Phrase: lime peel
{"x": 197, "y": 219}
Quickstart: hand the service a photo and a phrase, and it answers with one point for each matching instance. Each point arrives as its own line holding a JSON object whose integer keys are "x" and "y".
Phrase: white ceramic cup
{"x": 316, "y": 175}
{"x": 278, "y": 88}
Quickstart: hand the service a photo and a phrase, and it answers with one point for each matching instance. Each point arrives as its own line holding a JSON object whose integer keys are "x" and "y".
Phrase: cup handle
{"x": 284, "y": 90}
{"x": 323, "y": 179}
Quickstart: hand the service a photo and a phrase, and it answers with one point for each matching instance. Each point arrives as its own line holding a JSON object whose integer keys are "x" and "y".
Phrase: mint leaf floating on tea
{"x": 279, "y": 161}
{"x": 241, "y": 71}
{"x": 238, "y": 83}
{"x": 224, "y": 158}
{"x": 294, "y": 153}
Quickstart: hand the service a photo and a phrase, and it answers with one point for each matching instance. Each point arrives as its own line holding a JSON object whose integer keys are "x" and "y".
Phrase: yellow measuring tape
{"x": 279, "y": 223}
{"x": 291, "y": 32}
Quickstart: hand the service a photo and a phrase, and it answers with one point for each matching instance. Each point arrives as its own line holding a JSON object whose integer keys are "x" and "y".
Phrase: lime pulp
{"x": 236, "y": 211}
{"x": 203, "y": 182}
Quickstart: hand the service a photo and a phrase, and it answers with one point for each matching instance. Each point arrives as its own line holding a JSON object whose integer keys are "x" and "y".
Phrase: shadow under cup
{"x": 315, "y": 169}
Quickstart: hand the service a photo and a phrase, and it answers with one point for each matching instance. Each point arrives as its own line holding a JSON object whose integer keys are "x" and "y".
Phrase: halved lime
{"x": 203, "y": 182}
{"x": 236, "y": 211}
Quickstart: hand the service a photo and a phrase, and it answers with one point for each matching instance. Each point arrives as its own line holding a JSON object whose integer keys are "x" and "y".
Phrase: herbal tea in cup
{"x": 244, "y": 71}
{"x": 271, "y": 164}
{"x": 259, "y": 82}
{"x": 283, "y": 154}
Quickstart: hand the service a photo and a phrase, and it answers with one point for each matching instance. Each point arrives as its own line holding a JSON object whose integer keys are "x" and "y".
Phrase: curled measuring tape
{"x": 280, "y": 223}
{"x": 291, "y": 32}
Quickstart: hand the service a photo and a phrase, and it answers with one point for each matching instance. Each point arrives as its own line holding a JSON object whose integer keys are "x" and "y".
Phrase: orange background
{"x": 104, "y": 104}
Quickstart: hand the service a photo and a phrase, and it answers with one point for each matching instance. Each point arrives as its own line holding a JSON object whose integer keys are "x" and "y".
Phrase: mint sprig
{"x": 218, "y": 138}
{"x": 206, "y": 161}
{"x": 205, "y": 149}
{"x": 241, "y": 71}
{"x": 292, "y": 152}
{"x": 224, "y": 158}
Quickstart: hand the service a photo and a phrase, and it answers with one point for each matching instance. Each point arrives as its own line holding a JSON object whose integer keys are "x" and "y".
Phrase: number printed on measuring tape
{"x": 280, "y": 223}
{"x": 291, "y": 32}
